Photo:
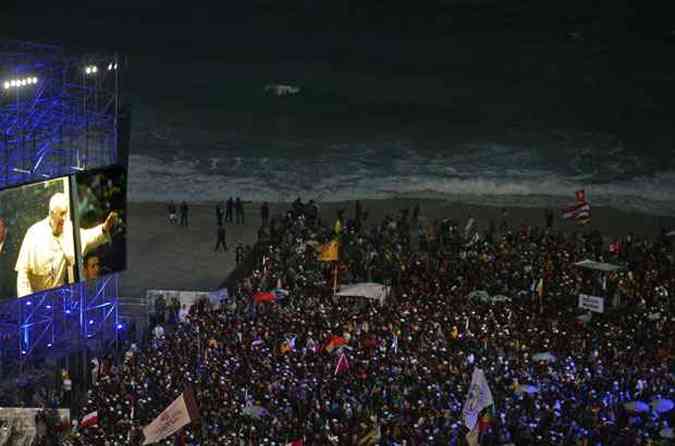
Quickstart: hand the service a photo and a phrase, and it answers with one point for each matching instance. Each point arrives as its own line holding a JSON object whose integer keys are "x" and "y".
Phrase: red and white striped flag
{"x": 342, "y": 364}
{"x": 580, "y": 212}
{"x": 89, "y": 420}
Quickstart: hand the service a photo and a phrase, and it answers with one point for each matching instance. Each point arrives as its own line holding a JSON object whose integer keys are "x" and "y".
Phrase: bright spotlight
{"x": 16, "y": 83}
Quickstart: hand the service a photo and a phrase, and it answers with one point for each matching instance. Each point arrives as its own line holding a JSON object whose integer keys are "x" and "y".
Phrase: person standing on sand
{"x": 228, "y": 210}
{"x": 239, "y": 211}
{"x": 548, "y": 215}
{"x": 504, "y": 225}
{"x": 265, "y": 213}
{"x": 220, "y": 234}
{"x": 184, "y": 214}
{"x": 239, "y": 253}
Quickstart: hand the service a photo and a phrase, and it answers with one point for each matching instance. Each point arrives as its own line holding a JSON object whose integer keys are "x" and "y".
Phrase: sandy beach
{"x": 172, "y": 257}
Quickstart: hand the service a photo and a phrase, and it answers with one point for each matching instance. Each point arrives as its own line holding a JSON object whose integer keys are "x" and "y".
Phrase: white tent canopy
{"x": 368, "y": 290}
{"x": 598, "y": 266}
{"x": 484, "y": 296}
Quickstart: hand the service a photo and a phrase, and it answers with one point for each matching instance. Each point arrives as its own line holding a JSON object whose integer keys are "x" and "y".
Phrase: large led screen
{"x": 61, "y": 231}
{"x": 101, "y": 202}
{"x": 36, "y": 238}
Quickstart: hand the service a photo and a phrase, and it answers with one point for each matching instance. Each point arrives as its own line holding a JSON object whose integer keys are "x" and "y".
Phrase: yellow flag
{"x": 329, "y": 252}
{"x": 338, "y": 226}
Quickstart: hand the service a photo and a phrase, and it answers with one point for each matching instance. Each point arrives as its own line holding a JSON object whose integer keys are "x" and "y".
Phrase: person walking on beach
{"x": 265, "y": 213}
{"x": 183, "y": 214}
{"x": 228, "y": 209}
{"x": 239, "y": 211}
{"x": 220, "y": 234}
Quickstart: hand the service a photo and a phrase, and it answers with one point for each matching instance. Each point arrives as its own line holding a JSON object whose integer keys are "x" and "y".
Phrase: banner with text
{"x": 181, "y": 412}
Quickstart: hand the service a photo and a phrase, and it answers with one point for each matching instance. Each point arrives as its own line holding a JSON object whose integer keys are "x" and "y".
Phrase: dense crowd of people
{"x": 268, "y": 373}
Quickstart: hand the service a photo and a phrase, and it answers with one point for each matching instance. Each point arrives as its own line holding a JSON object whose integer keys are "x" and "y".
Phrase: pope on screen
{"x": 48, "y": 248}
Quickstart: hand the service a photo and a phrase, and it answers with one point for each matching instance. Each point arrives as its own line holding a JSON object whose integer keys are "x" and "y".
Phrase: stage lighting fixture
{"x": 29, "y": 303}
{"x": 13, "y": 83}
{"x": 120, "y": 326}
{"x": 49, "y": 345}
{"x": 91, "y": 322}
{"x": 91, "y": 69}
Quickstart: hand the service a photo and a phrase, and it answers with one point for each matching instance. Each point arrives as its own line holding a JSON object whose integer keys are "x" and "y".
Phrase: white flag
{"x": 181, "y": 412}
{"x": 479, "y": 398}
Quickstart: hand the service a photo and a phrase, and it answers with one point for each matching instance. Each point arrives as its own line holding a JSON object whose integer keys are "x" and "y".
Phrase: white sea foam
{"x": 496, "y": 176}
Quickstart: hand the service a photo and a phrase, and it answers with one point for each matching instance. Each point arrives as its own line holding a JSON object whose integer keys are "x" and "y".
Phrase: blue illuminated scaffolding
{"x": 58, "y": 115}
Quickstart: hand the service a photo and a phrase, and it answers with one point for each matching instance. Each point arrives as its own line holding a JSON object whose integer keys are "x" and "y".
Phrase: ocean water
{"x": 524, "y": 133}
{"x": 478, "y": 172}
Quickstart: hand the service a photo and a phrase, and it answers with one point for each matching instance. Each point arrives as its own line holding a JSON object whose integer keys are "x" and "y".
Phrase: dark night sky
{"x": 134, "y": 26}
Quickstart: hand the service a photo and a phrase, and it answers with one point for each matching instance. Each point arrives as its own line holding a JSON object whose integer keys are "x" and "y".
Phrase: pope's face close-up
{"x": 58, "y": 219}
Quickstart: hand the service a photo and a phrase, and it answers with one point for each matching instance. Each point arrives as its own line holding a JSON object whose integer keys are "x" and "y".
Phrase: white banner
{"x": 592, "y": 303}
{"x": 168, "y": 422}
{"x": 479, "y": 398}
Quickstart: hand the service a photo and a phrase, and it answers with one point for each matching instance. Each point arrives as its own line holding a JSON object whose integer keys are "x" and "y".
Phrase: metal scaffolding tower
{"x": 58, "y": 115}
